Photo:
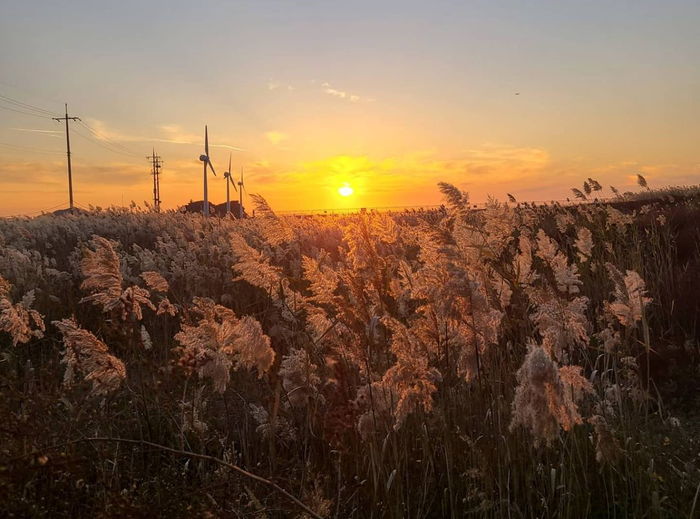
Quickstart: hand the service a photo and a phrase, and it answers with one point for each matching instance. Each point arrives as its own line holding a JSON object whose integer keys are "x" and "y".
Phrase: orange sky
{"x": 389, "y": 98}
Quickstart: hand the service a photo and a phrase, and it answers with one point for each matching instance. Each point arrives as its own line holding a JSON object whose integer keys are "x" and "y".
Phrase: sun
{"x": 345, "y": 190}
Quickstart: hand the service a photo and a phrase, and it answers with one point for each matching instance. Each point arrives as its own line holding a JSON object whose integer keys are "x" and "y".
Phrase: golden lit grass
{"x": 515, "y": 361}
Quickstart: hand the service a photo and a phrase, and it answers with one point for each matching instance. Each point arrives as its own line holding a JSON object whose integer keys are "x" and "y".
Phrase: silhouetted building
{"x": 62, "y": 212}
{"x": 235, "y": 209}
{"x": 197, "y": 206}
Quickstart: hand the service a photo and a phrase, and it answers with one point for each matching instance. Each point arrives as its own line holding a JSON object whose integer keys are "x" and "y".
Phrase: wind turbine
{"x": 240, "y": 195}
{"x": 229, "y": 180}
{"x": 207, "y": 162}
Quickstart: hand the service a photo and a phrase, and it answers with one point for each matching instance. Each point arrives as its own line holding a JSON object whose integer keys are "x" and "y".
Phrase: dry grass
{"x": 515, "y": 361}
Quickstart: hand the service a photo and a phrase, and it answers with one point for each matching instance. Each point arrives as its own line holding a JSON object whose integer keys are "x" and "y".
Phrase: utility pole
{"x": 240, "y": 195}
{"x": 156, "y": 164}
{"x": 70, "y": 173}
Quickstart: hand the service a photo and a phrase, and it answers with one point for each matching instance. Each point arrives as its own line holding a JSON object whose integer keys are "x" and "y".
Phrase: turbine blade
{"x": 232, "y": 183}
{"x": 211, "y": 166}
{"x": 229, "y": 163}
{"x": 206, "y": 141}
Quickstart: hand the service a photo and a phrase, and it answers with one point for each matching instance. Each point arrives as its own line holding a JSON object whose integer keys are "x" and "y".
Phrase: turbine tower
{"x": 229, "y": 180}
{"x": 207, "y": 162}
{"x": 240, "y": 195}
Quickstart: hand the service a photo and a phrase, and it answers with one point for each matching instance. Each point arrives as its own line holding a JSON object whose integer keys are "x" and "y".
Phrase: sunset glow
{"x": 483, "y": 95}
{"x": 345, "y": 190}
{"x": 350, "y": 259}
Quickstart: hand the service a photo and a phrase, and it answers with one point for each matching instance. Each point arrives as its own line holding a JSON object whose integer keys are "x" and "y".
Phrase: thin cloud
{"x": 276, "y": 137}
{"x": 36, "y": 173}
{"x": 103, "y": 133}
{"x": 36, "y": 130}
{"x": 227, "y": 147}
{"x": 276, "y": 85}
{"x": 175, "y": 134}
{"x": 31, "y": 173}
{"x": 623, "y": 174}
{"x": 170, "y": 134}
{"x": 342, "y": 94}
{"x": 326, "y": 88}
{"x": 509, "y": 163}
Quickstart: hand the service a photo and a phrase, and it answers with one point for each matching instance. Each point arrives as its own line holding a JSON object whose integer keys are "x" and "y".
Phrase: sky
{"x": 385, "y": 97}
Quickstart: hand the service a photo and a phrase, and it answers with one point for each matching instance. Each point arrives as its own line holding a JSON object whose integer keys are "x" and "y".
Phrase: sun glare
{"x": 345, "y": 190}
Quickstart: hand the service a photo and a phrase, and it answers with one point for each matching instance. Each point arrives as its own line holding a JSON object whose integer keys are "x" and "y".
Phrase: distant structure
{"x": 236, "y": 209}
{"x": 241, "y": 212}
{"x": 229, "y": 183}
{"x": 75, "y": 211}
{"x": 70, "y": 172}
{"x": 197, "y": 206}
{"x": 156, "y": 165}
{"x": 207, "y": 162}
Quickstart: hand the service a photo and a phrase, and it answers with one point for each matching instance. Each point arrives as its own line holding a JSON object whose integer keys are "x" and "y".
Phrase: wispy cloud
{"x": 623, "y": 174}
{"x": 507, "y": 163}
{"x": 50, "y": 133}
{"x": 342, "y": 94}
{"x": 276, "y": 137}
{"x": 175, "y": 134}
{"x": 31, "y": 174}
{"x": 36, "y": 174}
{"x": 476, "y": 165}
{"x": 276, "y": 85}
{"x": 167, "y": 133}
{"x": 227, "y": 147}
{"x": 104, "y": 133}
{"x": 314, "y": 85}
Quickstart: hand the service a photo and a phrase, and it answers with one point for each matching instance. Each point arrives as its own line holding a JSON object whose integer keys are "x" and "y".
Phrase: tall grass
{"x": 516, "y": 361}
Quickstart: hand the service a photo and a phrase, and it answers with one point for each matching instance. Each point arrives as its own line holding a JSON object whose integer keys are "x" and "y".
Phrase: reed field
{"x": 515, "y": 361}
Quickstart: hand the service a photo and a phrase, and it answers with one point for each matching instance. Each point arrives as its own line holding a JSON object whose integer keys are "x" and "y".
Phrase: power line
{"x": 35, "y": 111}
{"x": 25, "y": 90}
{"x": 26, "y": 106}
{"x": 102, "y": 144}
{"x": 23, "y": 112}
{"x": 28, "y": 148}
{"x": 104, "y": 139}
{"x": 116, "y": 147}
